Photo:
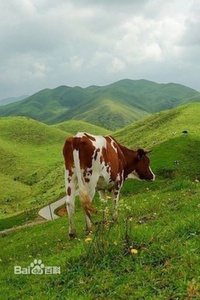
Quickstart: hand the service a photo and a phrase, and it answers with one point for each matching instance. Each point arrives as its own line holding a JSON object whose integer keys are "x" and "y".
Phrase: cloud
{"x": 47, "y": 43}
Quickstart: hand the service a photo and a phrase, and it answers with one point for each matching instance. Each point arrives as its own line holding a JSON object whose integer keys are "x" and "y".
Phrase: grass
{"x": 161, "y": 224}
{"x": 162, "y": 126}
{"x": 73, "y": 126}
{"x": 19, "y": 219}
{"x": 152, "y": 252}
{"x": 31, "y": 172}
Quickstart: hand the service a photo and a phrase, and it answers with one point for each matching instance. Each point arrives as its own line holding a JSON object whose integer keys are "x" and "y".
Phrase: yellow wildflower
{"x": 134, "y": 251}
{"x": 88, "y": 239}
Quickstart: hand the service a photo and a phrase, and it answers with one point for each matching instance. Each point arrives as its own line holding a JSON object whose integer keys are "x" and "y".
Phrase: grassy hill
{"x": 74, "y": 126}
{"x": 30, "y": 172}
{"x": 152, "y": 252}
{"x": 112, "y": 106}
{"x": 31, "y": 169}
{"x": 110, "y": 113}
{"x": 162, "y": 126}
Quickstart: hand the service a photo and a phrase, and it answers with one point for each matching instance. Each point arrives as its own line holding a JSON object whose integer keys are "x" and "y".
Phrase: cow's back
{"x": 98, "y": 155}
{"x": 89, "y": 148}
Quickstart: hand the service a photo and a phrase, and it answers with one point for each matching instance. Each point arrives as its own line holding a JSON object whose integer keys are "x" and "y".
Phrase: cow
{"x": 99, "y": 163}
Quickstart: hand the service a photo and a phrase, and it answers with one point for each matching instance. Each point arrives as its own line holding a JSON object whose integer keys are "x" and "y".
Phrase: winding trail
{"x": 47, "y": 212}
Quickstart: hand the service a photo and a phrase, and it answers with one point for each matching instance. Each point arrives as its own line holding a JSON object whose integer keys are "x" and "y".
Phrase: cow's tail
{"x": 83, "y": 193}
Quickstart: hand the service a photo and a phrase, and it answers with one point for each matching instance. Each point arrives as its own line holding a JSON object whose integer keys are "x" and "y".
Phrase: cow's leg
{"x": 70, "y": 202}
{"x": 102, "y": 195}
{"x": 116, "y": 192}
{"x": 91, "y": 193}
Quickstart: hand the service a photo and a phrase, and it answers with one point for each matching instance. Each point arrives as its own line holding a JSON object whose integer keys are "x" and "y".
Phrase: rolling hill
{"x": 31, "y": 152}
{"x": 74, "y": 126}
{"x": 162, "y": 126}
{"x": 113, "y": 106}
{"x": 31, "y": 171}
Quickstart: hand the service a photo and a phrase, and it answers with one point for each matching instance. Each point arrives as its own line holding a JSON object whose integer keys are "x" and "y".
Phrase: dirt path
{"x": 38, "y": 220}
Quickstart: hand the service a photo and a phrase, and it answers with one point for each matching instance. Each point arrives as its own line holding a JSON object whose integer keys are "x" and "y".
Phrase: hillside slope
{"x": 74, "y": 126}
{"x": 112, "y": 106}
{"x": 162, "y": 126}
{"x": 31, "y": 171}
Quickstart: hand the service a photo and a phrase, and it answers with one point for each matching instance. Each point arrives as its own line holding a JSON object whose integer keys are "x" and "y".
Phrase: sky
{"x": 48, "y": 43}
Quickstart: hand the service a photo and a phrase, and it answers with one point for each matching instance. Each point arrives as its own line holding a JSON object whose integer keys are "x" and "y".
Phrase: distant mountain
{"x": 113, "y": 106}
{"x": 12, "y": 99}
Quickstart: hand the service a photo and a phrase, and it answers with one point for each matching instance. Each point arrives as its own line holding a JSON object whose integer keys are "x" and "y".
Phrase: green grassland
{"x": 162, "y": 126}
{"x": 152, "y": 252}
{"x": 31, "y": 170}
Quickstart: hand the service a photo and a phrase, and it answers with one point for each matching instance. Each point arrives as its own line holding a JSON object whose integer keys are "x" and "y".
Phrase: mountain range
{"x": 112, "y": 106}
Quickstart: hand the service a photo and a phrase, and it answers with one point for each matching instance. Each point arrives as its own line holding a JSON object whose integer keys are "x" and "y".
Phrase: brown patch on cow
{"x": 90, "y": 137}
{"x": 115, "y": 160}
{"x": 87, "y": 173}
{"x": 68, "y": 155}
{"x": 142, "y": 166}
{"x": 69, "y": 191}
{"x": 86, "y": 150}
{"x": 87, "y": 180}
{"x": 96, "y": 153}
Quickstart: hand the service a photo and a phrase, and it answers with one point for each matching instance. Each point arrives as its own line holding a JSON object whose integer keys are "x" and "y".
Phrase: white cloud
{"x": 45, "y": 43}
{"x": 117, "y": 65}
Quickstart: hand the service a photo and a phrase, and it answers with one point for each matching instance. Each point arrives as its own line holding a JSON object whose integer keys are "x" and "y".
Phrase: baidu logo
{"x": 37, "y": 268}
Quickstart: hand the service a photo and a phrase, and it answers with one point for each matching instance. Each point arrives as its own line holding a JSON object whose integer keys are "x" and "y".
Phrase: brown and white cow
{"x": 99, "y": 163}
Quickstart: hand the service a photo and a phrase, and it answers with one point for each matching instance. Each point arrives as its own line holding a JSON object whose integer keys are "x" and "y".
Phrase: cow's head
{"x": 142, "y": 170}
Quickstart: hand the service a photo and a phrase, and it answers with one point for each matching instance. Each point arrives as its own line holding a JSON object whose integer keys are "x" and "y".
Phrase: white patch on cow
{"x": 113, "y": 145}
{"x": 98, "y": 142}
{"x": 80, "y": 134}
{"x": 154, "y": 176}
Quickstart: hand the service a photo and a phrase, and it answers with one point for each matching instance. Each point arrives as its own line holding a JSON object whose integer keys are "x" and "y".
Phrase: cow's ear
{"x": 147, "y": 151}
{"x": 140, "y": 153}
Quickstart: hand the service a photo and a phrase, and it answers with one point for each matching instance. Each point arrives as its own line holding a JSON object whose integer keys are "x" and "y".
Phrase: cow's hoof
{"x": 72, "y": 235}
